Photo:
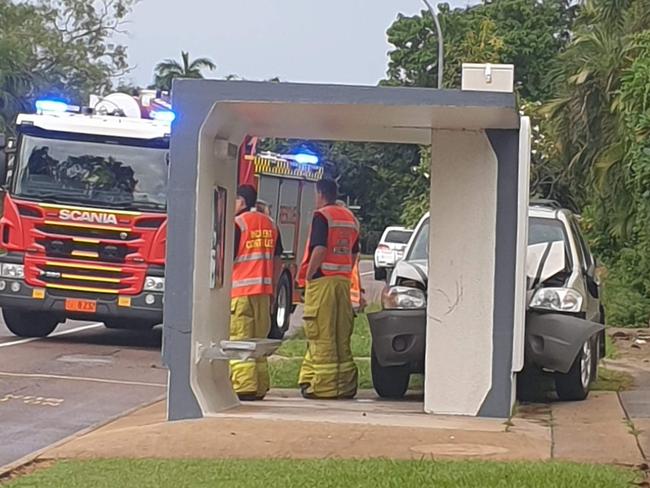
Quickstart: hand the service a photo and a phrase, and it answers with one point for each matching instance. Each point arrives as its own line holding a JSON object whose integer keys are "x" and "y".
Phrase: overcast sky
{"x": 333, "y": 41}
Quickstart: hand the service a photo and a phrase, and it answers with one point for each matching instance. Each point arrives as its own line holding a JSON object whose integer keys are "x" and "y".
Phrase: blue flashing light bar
{"x": 305, "y": 158}
{"x": 163, "y": 115}
{"x": 51, "y": 106}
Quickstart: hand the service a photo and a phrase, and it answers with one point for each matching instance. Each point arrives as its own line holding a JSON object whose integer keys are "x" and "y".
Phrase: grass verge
{"x": 609, "y": 380}
{"x": 611, "y": 351}
{"x": 322, "y": 473}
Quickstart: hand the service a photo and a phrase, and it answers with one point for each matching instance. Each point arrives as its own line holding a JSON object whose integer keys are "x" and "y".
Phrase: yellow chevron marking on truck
{"x": 98, "y": 279}
{"x": 81, "y": 288}
{"x": 93, "y": 267}
{"x": 86, "y": 240}
{"x": 86, "y": 226}
{"x": 85, "y": 254}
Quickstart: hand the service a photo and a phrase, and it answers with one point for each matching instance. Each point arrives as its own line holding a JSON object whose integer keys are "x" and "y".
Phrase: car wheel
{"x": 389, "y": 381}
{"x": 574, "y": 385}
{"x": 380, "y": 273}
{"x": 29, "y": 324}
{"x": 281, "y": 313}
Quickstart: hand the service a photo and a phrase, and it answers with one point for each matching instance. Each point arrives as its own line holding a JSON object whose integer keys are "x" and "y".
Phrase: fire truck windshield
{"x": 117, "y": 173}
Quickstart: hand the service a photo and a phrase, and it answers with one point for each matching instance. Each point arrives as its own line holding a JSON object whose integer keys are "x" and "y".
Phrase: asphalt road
{"x": 83, "y": 375}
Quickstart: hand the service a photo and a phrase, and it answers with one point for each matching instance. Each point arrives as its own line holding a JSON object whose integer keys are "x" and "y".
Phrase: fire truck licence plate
{"x": 85, "y": 306}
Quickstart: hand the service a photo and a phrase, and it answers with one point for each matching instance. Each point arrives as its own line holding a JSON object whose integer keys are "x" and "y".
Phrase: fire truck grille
{"x": 82, "y": 278}
{"x": 85, "y": 249}
{"x": 87, "y": 231}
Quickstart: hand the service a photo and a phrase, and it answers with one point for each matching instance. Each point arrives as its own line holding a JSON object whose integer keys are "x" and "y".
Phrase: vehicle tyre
{"x": 601, "y": 317}
{"x": 128, "y": 324}
{"x": 574, "y": 385}
{"x": 531, "y": 384}
{"x": 29, "y": 324}
{"x": 281, "y": 313}
{"x": 389, "y": 381}
{"x": 380, "y": 273}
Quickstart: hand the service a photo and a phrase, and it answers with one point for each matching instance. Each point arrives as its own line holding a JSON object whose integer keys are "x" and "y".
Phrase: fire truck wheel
{"x": 282, "y": 307}
{"x": 129, "y": 324}
{"x": 29, "y": 324}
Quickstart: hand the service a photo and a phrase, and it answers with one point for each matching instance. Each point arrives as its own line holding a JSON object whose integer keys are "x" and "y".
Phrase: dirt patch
{"x": 25, "y": 469}
{"x": 631, "y": 344}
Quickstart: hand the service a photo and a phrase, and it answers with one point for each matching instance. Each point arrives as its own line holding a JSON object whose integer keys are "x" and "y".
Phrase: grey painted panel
{"x": 506, "y": 147}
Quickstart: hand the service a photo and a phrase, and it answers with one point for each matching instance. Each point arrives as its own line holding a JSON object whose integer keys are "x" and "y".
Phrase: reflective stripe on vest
{"x": 252, "y": 271}
{"x": 258, "y": 256}
{"x": 252, "y": 282}
{"x": 345, "y": 268}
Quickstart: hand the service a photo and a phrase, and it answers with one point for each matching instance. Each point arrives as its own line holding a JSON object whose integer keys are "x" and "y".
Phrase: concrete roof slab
{"x": 339, "y": 112}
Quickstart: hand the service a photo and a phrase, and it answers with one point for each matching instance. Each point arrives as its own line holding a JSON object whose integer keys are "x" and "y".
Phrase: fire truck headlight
{"x": 16, "y": 271}
{"x": 153, "y": 283}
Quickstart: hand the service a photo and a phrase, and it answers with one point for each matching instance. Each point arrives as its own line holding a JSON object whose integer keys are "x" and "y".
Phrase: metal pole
{"x": 441, "y": 49}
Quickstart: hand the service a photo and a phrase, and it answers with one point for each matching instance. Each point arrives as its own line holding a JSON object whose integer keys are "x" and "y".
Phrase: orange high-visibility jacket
{"x": 342, "y": 233}
{"x": 252, "y": 271}
{"x": 355, "y": 286}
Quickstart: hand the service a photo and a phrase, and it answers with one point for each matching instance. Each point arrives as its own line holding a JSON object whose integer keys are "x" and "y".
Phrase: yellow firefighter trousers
{"x": 328, "y": 369}
{"x": 250, "y": 318}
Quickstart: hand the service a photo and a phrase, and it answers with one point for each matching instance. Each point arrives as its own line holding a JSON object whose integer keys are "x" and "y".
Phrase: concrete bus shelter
{"x": 479, "y": 203}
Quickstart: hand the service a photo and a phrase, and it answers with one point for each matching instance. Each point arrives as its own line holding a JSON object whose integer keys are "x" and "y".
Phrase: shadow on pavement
{"x": 101, "y": 336}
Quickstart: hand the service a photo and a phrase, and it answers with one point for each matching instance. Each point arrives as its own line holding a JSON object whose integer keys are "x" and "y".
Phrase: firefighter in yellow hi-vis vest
{"x": 256, "y": 267}
{"x": 328, "y": 369}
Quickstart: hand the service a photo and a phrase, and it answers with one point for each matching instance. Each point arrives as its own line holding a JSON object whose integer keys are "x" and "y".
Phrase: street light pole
{"x": 441, "y": 49}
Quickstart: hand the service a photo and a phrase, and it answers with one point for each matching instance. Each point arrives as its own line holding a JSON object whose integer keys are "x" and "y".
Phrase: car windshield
{"x": 115, "y": 173}
{"x": 539, "y": 231}
{"x": 542, "y": 231}
{"x": 420, "y": 248}
{"x": 398, "y": 236}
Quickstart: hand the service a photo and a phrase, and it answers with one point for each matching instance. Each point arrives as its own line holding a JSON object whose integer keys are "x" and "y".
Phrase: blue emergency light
{"x": 305, "y": 158}
{"x": 52, "y": 106}
{"x": 163, "y": 115}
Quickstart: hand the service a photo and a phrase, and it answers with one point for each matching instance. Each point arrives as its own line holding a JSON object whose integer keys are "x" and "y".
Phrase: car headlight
{"x": 152, "y": 283}
{"x": 16, "y": 271}
{"x": 403, "y": 297}
{"x": 557, "y": 300}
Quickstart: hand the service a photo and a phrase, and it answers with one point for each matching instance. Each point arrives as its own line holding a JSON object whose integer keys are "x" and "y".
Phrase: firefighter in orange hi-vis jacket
{"x": 256, "y": 267}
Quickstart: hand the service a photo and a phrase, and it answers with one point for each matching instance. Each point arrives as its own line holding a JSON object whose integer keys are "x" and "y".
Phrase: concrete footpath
{"x": 286, "y": 426}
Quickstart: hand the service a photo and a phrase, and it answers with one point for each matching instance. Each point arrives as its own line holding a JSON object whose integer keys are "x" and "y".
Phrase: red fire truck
{"x": 83, "y": 226}
{"x": 286, "y": 186}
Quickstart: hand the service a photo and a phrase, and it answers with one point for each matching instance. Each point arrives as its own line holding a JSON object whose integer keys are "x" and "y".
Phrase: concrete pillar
{"x": 473, "y": 270}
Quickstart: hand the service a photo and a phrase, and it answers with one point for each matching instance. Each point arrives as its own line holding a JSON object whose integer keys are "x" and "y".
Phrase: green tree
{"x": 58, "y": 47}
{"x": 524, "y": 32}
{"x": 598, "y": 124}
{"x": 586, "y": 118}
{"x": 169, "y": 69}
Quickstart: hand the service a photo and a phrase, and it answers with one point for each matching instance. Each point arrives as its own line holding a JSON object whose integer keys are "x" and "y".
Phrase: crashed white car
{"x": 564, "y": 323}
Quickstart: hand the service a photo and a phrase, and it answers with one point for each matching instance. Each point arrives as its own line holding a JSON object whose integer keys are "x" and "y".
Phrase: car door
{"x": 588, "y": 265}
